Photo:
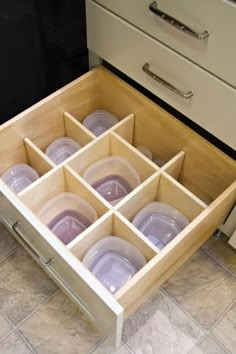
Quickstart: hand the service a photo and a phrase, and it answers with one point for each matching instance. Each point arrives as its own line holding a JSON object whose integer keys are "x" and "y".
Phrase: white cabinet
{"x": 215, "y": 52}
{"x": 213, "y": 104}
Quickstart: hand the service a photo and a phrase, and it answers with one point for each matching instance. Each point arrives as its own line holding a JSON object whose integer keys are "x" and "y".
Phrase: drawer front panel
{"x": 215, "y": 53}
{"x": 62, "y": 266}
{"x": 129, "y": 49}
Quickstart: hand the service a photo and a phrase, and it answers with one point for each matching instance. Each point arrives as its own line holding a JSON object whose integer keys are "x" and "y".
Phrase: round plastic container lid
{"x": 100, "y": 121}
{"x": 19, "y": 176}
{"x": 62, "y": 148}
{"x": 160, "y": 223}
{"x": 113, "y": 261}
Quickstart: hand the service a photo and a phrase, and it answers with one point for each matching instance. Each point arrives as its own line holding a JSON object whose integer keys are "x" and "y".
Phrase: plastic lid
{"x": 62, "y": 148}
{"x": 112, "y": 172}
{"x": 99, "y": 121}
{"x": 113, "y": 261}
{"x": 160, "y": 223}
{"x": 145, "y": 151}
{"x": 69, "y": 224}
{"x": 19, "y": 176}
{"x": 113, "y": 188}
{"x": 113, "y": 271}
{"x": 159, "y": 162}
{"x": 70, "y": 208}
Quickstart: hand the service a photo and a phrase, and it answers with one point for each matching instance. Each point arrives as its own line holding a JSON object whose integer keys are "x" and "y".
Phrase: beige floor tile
{"x": 24, "y": 286}
{"x": 59, "y": 327}
{"x": 208, "y": 346}
{"x": 161, "y": 327}
{"x": 203, "y": 288}
{"x": 222, "y": 252}
{"x": 7, "y": 242}
{"x": 225, "y": 330}
{"x": 106, "y": 348}
{"x": 14, "y": 344}
{"x": 5, "y": 326}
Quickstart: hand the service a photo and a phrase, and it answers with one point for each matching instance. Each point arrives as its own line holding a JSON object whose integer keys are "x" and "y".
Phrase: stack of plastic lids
{"x": 19, "y": 176}
{"x": 67, "y": 215}
{"x": 146, "y": 152}
{"x": 114, "y": 261}
{"x": 160, "y": 223}
{"x": 112, "y": 177}
{"x": 62, "y": 148}
{"x": 99, "y": 121}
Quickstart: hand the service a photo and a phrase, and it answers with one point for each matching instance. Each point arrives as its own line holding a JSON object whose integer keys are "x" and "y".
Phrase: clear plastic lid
{"x": 67, "y": 215}
{"x": 113, "y": 177}
{"x": 145, "y": 151}
{"x": 19, "y": 176}
{"x": 99, "y": 121}
{"x": 114, "y": 261}
{"x": 62, "y": 148}
{"x": 160, "y": 223}
{"x": 159, "y": 162}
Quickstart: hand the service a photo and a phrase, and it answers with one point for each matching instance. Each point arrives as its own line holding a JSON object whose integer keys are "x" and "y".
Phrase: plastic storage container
{"x": 159, "y": 162}
{"x": 62, "y": 148}
{"x": 99, "y": 121}
{"x": 145, "y": 151}
{"x": 19, "y": 176}
{"x": 67, "y": 215}
{"x": 160, "y": 223}
{"x": 114, "y": 261}
{"x": 112, "y": 177}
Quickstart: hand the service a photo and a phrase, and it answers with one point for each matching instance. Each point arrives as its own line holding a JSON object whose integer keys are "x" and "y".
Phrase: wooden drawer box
{"x": 197, "y": 179}
{"x": 129, "y": 49}
{"x": 214, "y": 52}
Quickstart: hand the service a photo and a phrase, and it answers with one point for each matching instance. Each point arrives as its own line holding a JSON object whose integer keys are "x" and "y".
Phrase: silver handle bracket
{"x": 15, "y": 228}
{"x": 176, "y": 23}
{"x": 146, "y": 68}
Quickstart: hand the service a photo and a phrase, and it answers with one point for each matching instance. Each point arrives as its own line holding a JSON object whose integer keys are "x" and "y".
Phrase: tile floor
{"x": 194, "y": 312}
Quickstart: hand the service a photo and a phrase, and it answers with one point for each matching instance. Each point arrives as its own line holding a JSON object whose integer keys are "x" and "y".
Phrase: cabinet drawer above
{"x": 168, "y": 75}
{"x": 215, "y": 52}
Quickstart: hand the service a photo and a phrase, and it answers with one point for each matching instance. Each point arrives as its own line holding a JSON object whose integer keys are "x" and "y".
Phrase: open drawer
{"x": 196, "y": 178}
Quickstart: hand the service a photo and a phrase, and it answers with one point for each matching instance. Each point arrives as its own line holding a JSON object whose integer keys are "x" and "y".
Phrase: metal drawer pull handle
{"x": 177, "y": 24}
{"x": 16, "y": 229}
{"x": 155, "y": 77}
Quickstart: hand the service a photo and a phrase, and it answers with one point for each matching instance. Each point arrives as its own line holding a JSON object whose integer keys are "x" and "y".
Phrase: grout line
{"x": 201, "y": 340}
{"x": 6, "y": 335}
{"x": 209, "y": 253}
{"x": 10, "y": 254}
{"x": 127, "y": 347}
{"x": 219, "y": 343}
{"x": 222, "y": 316}
{"x": 37, "y": 308}
{"x": 208, "y": 332}
{"x": 183, "y": 309}
{"x": 15, "y": 329}
{"x": 103, "y": 339}
{"x": 12, "y": 327}
{"x": 25, "y": 340}
{"x": 97, "y": 345}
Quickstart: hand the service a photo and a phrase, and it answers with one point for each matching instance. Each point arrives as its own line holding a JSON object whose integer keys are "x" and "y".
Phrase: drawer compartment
{"x": 215, "y": 53}
{"x": 210, "y": 96}
{"x": 196, "y": 178}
